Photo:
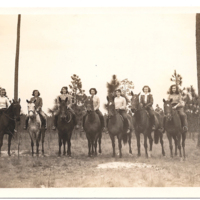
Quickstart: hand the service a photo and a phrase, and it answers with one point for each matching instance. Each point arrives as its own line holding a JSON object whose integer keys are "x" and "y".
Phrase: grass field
{"x": 101, "y": 171}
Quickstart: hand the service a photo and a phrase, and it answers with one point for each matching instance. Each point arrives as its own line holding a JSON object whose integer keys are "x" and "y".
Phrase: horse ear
{"x": 171, "y": 100}
{"x": 59, "y": 99}
{"x": 27, "y": 100}
{"x": 132, "y": 93}
{"x": 19, "y": 100}
{"x": 13, "y": 101}
{"x": 66, "y": 99}
{"x": 139, "y": 94}
{"x": 34, "y": 101}
{"x": 107, "y": 98}
{"x": 164, "y": 100}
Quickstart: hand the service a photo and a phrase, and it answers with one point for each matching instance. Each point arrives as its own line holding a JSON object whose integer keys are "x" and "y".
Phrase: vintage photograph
{"x": 100, "y": 98}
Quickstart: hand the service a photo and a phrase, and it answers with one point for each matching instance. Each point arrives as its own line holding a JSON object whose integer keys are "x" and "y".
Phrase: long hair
{"x": 66, "y": 88}
{"x": 170, "y": 89}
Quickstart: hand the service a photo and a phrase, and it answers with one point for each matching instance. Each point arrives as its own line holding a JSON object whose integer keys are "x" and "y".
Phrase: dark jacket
{"x": 149, "y": 102}
{"x": 38, "y": 103}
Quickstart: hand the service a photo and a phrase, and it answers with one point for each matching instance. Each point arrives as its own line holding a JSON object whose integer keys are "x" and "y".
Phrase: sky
{"x": 146, "y": 48}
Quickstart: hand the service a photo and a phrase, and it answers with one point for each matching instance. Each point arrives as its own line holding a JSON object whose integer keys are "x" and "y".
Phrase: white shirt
{"x": 4, "y": 102}
{"x": 96, "y": 102}
{"x": 120, "y": 103}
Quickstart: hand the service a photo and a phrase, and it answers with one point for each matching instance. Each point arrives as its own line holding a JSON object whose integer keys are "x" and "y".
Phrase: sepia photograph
{"x": 100, "y": 98}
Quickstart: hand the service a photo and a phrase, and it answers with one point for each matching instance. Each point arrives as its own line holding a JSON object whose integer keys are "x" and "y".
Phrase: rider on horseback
{"x": 96, "y": 104}
{"x": 120, "y": 106}
{"x": 147, "y": 101}
{"x": 38, "y": 106}
{"x": 4, "y": 102}
{"x": 65, "y": 94}
{"x": 178, "y": 105}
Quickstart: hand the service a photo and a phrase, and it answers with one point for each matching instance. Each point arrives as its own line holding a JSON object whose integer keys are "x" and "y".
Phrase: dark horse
{"x": 116, "y": 127}
{"x": 141, "y": 123}
{"x": 7, "y": 122}
{"x": 65, "y": 126}
{"x": 92, "y": 127}
{"x": 173, "y": 128}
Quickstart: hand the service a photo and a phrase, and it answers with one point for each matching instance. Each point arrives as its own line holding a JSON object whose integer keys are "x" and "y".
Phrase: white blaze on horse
{"x": 35, "y": 128}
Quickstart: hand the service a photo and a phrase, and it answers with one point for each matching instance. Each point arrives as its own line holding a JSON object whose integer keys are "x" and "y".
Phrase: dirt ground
{"x": 101, "y": 171}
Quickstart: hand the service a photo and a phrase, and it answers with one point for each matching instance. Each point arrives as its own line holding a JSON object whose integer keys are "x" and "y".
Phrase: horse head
{"x": 168, "y": 109}
{"x": 63, "y": 108}
{"x": 31, "y": 108}
{"x": 135, "y": 105}
{"x": 111, "y": 106}
{"x": 89, "y": 104}
{"x": 16, "y": 109}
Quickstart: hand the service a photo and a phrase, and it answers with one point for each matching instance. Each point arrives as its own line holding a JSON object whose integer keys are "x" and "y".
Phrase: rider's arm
{"x": 98, "y": 104}
{"x": 151, "y": 101}
{"x": 40, "y": 104}
{"x": 7, "y": 102}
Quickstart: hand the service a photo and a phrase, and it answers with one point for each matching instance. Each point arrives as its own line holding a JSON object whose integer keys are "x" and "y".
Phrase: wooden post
{"x": 17, "y": 59}
{"x": 198, "y": 61}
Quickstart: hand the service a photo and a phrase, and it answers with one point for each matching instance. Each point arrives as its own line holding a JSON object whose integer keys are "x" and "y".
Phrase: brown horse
{"x": 65, "y": 126}
{"x": 173, "y": 128}
{"x": 92, "y": 127}
{"x": 141, "y": 123}
{"x": 7, "y": 122}
{"x": 116, "y": 128}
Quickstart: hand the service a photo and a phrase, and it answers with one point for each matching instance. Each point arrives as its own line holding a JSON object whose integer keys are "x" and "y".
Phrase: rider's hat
{"x": 93, "y": 89}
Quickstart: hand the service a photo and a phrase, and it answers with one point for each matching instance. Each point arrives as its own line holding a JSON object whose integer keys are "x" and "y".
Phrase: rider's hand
{"x": 174, "y": 107}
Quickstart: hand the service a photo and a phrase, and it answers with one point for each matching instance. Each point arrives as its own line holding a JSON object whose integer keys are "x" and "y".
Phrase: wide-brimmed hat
{"x": 93, "y": 89}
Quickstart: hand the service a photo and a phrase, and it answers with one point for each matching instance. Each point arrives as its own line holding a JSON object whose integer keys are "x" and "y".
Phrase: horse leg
{"x": 9, "y": 143}
{"x": 138, "y": 143}
{"x": 170, "y": 144}
{"x": 37, "y": 144}
{"x": 183, "y": 143}
{"x": 129, "y": 142}
{"x": 89, "y": 147}
{"x": 64, "y": 150}
{"x": 113, "y": 144}
{"x": 162, "y": 144}
{"x": 145, "y": 144}
{"x": 1, "y": 141}
{"x": 43, "y": 135}
{"x": 175, "y": 143}
{"x": 69, "y": 147}
{"x": 100, "y": 136}
{"x": 95, "y": 147}
{"x": 120, "y": 145}
{"x": 150, "y": 143}
{"x": 32, "y": 144}
{"x": 60, "y": 144}
{"x": 179, "y": 145}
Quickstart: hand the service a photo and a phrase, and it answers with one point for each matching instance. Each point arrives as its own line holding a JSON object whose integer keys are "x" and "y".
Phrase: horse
{"x": 7, "y": 122}
{"x": 173, "y": 128}
{"x": 141, "y": 123}
{"x": 65, "y": 126}
{"x": 92, "y": 127}
{"x": 35, "y": 127}
{"x": 115, "y": 127}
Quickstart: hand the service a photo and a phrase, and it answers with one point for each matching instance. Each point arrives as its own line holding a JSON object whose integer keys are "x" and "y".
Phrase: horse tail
{"x": 156, "y": 136}
{"x": 125, "y": 138}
